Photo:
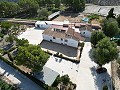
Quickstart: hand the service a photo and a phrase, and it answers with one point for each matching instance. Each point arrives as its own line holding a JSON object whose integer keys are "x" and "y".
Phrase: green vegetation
{"x": 5, "y": 86}
{"x": 29, "y": 8}
{"x": 5, "y": 26}
{"x": 96, "y": 36}
{"x": 42, "y": 14}
{"x": 105, "y": 51}
{"x": 75, "y": 5}
{"x": 64, "y": 82}
{"x": 118, "y": 20}
{"x": 8, "y": 9}
{"x": 93, "y": 16}
{"x": 30, "y": 56}
{"x": 110, "y": 27}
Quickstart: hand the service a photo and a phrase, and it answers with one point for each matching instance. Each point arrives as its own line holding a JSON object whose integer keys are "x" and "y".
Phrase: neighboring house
{"x": 86, "y": 31}
{"x": 46, "y": 24}
{"x": 62, "y": 36}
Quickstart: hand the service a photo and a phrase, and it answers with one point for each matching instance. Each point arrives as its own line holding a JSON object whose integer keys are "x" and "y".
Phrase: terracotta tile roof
{"x": 86, "y": 27}
{"x": 70, "y": 33}
{"x": 59, "y": 27}
{"x": 78, "y": 37}
{"x": 50, "y": 31}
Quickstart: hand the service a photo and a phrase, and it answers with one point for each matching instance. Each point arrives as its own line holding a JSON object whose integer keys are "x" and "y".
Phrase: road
{"x": 20, "y": 21}
{"x": 25, "y": 83}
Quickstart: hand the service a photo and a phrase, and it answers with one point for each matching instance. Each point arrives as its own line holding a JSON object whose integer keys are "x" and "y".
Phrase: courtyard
{"x": 63, "y": 49}
{"x": 33, "y": 35}
{"x": 83, "y": 73}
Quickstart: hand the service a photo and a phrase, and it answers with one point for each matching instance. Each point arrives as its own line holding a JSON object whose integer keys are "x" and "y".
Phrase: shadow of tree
{"x": 91, "y": 55}
{"x": 101, "y": 79}
{"x": 39, "y": 75}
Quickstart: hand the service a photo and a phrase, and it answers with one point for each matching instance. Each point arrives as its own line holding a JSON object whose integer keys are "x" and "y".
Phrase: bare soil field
{"x": 72, "y": 17}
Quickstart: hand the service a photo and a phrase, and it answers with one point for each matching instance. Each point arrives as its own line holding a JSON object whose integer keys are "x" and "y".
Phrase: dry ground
{"x": 115, "y": 76}
{"x": 72, "y": 17}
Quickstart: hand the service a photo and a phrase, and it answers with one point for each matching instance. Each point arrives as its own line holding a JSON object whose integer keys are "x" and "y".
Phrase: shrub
{"x": 57, "y": 81}
{"x": 93, "y": 16}
{"x": 55, "y": 10}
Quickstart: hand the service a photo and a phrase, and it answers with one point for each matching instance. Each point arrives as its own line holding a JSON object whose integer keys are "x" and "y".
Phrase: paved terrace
{"x": 33, "y": 35}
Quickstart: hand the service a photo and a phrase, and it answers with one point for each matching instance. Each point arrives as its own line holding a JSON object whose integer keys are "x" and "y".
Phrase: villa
{"x": 66, "y": 33}
{"x": 65, "y": 36}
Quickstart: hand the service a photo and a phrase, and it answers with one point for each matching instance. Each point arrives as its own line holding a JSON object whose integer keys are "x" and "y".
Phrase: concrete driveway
{"x": 82, "y": 74}
{"x": 17, "y": 77}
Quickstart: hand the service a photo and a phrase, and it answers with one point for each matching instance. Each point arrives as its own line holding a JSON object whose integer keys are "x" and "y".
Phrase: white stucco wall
{"x": 70, "y": 42}
{"x": 44, "y": 26}
{"x": 86, "y": 33}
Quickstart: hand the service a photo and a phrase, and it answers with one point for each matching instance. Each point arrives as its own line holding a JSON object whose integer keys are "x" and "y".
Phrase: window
{"x": 38, "y": 26}
{"x": 61, "y": 39}
{"x": 66, "y": 40}
{"x": 54, "y": 38}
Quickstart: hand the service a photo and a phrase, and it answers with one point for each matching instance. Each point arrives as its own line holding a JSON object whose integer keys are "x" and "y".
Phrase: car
{"x": 100, "y": 70}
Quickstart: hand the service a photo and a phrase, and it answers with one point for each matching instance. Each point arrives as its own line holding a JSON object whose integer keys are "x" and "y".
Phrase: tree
{"x": 110, "y": 27}
{"x": 31, "y": 56}
{"x": 57, "y": 3}
{"x": 8, "y": 8}
{"x": 96, "y": 36}
{"x": 10, "y": 39}
{"x": 110, "y": 14}
{"x": 65, "y": 79}
{"x": 30, "y": 6}
{"x": 42, "y": 14}
{"x": 22, "y": 42}
{"x": 5, "y": 27}
{"x": 118, "y": 20}
{"x": 76, "y": 5}
{"x": 105, "y": 52}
